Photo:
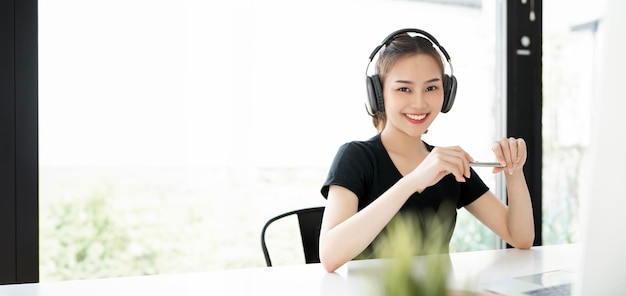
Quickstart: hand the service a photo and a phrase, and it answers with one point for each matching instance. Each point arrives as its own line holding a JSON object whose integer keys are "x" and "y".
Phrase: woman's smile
{"x": 416, "y": 118}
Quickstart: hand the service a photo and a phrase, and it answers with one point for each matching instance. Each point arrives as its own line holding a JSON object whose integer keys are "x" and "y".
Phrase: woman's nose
{"x": 418, "y": 100}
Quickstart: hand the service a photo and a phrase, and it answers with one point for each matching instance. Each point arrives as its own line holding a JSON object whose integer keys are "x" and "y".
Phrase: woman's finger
{"x": 512, "y": 142}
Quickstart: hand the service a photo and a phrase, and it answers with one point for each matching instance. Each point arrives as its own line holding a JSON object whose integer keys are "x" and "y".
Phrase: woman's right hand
{"x": 440, "y": 162}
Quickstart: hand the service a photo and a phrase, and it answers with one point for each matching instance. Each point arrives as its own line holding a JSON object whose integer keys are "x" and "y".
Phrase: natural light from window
{"x": 170, "y": 131}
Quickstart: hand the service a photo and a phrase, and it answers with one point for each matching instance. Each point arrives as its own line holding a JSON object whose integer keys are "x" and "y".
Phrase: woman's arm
{"x": 515, "y": 223}
{"x": 346, "y": 232}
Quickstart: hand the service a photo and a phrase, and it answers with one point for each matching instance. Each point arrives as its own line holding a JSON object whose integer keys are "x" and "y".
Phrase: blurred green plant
{"x": 408, "y": 236}
{"x": 88, "y": 243}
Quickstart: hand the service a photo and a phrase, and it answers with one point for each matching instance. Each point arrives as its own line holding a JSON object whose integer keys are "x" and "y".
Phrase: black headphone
{"x": 375, "y": 100}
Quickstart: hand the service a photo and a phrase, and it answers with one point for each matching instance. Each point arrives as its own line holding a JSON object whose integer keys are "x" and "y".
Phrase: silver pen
{"x": 486, "y": 164}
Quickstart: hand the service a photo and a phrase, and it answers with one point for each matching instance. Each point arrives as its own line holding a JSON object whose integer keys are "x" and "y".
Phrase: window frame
{"x": 19, "y": 169}
{"x": 524, "y": 94}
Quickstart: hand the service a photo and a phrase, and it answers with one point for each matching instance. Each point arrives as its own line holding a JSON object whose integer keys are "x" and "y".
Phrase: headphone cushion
{"x": 375, "y": 94}
{"x": 449, "y": 92}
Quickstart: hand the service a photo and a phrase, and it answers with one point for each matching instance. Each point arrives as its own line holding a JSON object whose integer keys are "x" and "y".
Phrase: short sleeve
{"x": 350, "y": 169}
{"x": 471, "y": 189}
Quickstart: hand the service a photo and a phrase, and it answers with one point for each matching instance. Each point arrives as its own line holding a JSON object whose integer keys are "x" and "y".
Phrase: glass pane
{"x": 570, "y": 51}
{"x": 170, "y": 131}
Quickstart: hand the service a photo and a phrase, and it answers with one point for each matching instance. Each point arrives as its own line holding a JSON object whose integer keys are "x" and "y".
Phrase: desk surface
{"x": 468, "y": 271}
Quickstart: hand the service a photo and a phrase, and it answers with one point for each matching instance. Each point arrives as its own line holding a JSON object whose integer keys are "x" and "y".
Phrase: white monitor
{"x": 603, "y": 264}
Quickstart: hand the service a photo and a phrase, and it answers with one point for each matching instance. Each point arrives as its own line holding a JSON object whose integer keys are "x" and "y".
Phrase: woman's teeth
{"x": 416, "y": 117}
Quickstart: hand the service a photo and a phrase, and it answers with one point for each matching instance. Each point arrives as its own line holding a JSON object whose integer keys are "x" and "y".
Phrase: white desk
{"x": 469, "y": 269}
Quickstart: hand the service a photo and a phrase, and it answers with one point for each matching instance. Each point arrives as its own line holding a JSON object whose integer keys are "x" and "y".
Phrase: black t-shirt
{"x": 365, "y": 168}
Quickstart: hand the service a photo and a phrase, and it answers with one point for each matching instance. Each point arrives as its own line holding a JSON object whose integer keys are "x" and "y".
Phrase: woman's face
{"x": 413, "y": 94}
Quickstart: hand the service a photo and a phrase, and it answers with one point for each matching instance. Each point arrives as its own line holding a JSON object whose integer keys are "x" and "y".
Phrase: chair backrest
{"x": 310, "y": 222}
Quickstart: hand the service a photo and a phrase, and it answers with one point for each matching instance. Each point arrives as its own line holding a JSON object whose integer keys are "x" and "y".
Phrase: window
{"x": 170, "y": 131}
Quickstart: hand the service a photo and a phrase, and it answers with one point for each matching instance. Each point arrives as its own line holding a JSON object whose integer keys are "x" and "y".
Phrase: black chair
{"x": 310, "y": 222}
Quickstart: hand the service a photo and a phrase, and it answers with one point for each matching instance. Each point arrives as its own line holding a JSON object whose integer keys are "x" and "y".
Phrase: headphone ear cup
{"x": 374, "y": 94}
{"x": 449, "y": 92}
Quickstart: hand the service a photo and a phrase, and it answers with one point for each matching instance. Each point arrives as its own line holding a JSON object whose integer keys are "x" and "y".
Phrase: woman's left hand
{"x": 510, "y": 152}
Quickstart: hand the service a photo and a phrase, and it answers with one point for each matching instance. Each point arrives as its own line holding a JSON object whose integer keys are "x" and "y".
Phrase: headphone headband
{"x": 391, "y": 36}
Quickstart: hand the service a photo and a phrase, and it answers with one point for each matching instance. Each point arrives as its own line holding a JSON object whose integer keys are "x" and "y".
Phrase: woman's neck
{"x": 400, "y": 143}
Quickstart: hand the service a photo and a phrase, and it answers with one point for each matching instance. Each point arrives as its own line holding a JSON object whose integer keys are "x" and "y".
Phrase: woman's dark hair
{"x": 401, "y": 46}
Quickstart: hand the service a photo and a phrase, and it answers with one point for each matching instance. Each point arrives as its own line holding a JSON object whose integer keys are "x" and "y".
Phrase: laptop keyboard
{"x": 558, "y": 290}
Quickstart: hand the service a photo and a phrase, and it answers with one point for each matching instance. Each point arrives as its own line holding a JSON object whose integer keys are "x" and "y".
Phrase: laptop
{"x": 556, "y": 282}
{"x": 602, "y": 267}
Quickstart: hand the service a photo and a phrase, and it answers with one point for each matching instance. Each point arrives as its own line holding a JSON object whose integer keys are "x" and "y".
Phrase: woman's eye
{"x": 404, "y": 89}
{"x": 431, "y": 88}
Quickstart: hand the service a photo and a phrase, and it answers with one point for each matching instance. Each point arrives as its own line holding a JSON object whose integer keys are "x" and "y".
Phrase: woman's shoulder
{"x": 371, "y": 144}
{"x": 361, "y": 150}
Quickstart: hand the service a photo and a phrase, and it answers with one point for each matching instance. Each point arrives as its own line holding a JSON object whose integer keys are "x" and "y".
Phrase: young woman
{"x": 370, "y": 182}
